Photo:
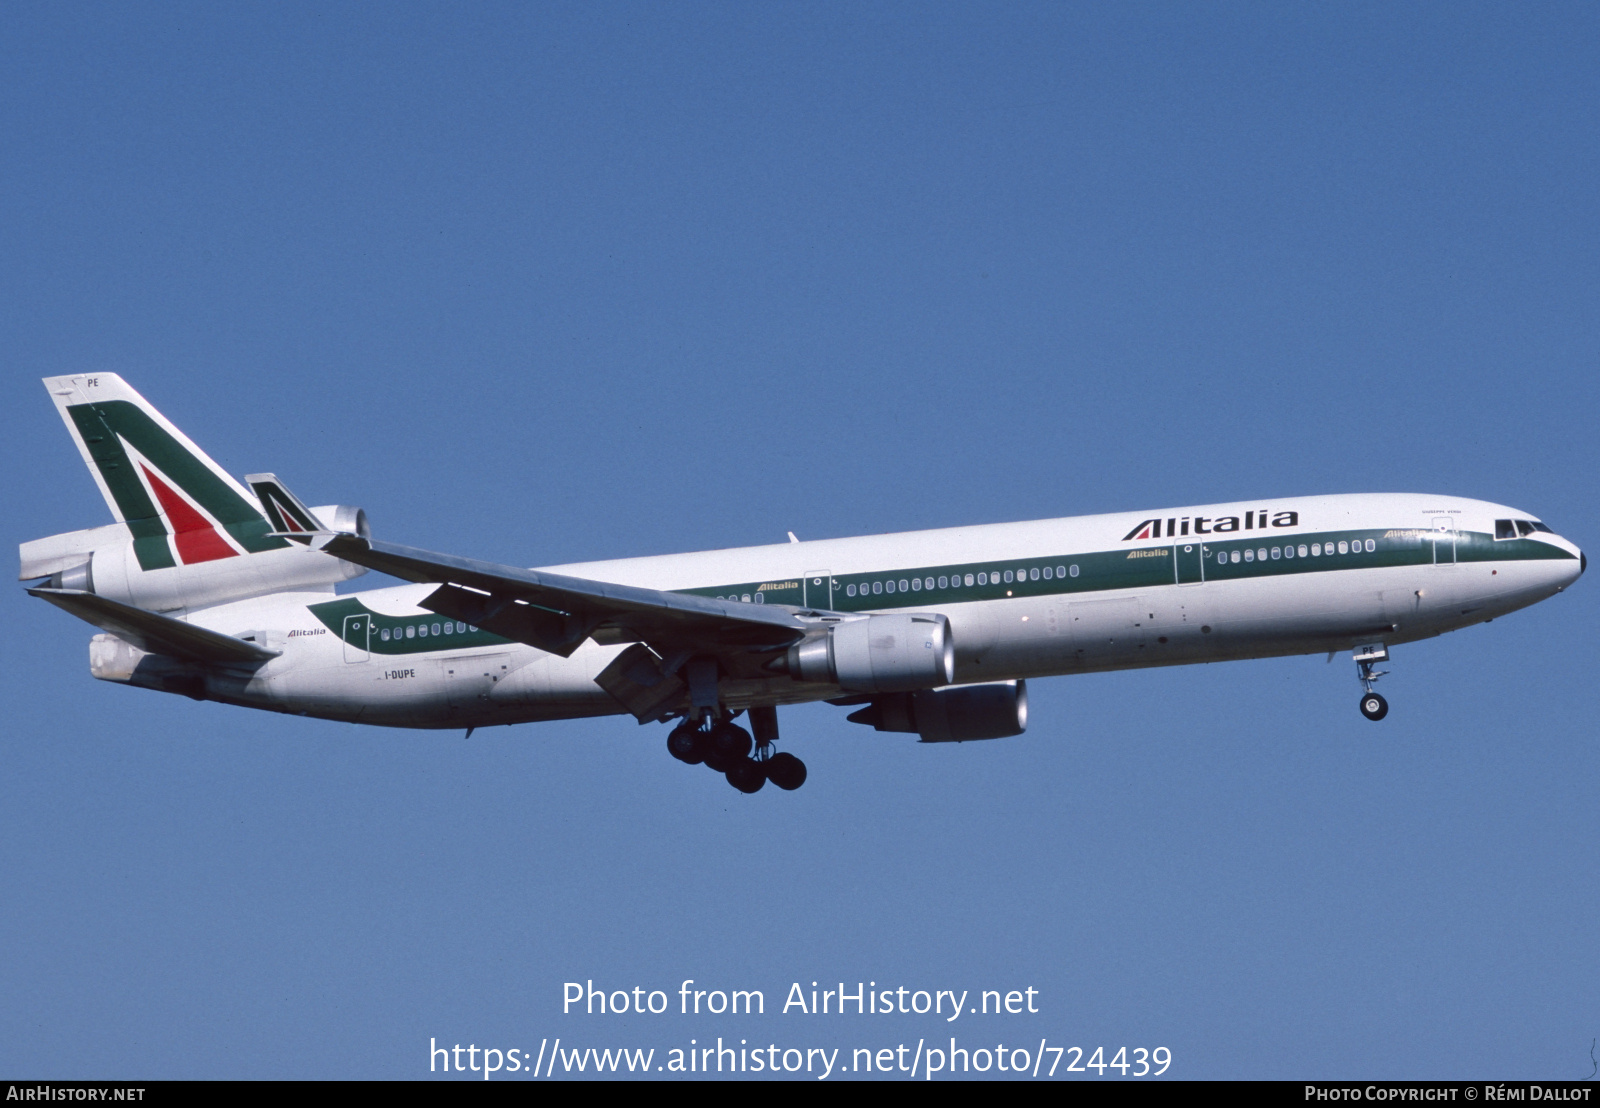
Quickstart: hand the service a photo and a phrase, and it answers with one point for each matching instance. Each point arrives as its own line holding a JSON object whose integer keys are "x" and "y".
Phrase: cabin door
{"x": 1189, "y": 562}
{"x": 1443, "y": 536}
{"x": 818, "y": 588}
{"x": 356, "y": 630}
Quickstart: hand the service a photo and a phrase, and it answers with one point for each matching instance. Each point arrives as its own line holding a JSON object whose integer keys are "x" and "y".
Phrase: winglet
{"x": 290, "y": 519}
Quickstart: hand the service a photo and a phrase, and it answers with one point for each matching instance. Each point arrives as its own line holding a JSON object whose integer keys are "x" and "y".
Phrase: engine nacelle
{"x": 960, "y": 714}
{"x": 103, "y": 560}
{"x": 879, "y": 654}
{"x": 344, "y": 518}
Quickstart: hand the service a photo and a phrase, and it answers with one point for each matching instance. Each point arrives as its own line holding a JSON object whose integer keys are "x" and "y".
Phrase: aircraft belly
{"x": 379, "y": 690}
{"x": 560, "y": 688}
{"x": 1218, "y": 620}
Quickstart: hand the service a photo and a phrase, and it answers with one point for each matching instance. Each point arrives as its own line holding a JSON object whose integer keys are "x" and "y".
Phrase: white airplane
{"x": 219, "y": 592}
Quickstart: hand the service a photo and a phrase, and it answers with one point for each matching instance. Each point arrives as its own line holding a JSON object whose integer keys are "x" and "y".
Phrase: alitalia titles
{"x": 1207, "y": 525}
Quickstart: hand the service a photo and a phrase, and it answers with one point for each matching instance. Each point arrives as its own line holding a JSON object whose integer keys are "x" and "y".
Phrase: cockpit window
{"x": 1525, "y": 526}
{"x": 1504, "y": 529}
{"x": 1537, "y": 526}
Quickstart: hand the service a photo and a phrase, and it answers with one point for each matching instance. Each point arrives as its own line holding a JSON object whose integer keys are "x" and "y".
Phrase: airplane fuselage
{"x": 1023, "y": 600}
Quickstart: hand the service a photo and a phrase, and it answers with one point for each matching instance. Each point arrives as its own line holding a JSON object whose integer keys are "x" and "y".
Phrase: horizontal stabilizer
{"x": 155, "y": 634}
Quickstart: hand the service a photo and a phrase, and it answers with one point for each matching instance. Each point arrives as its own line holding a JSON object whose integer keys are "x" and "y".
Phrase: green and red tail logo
{"x": 179, "y": 505}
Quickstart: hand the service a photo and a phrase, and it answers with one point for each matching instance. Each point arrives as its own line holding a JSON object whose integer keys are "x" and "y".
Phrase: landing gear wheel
{"x": 686, "y": 743}
{"x": 786, "y": 771}
{"x": 747, "y": 775}
{"x": 1374, "y": 707}
{"x": 730, "y": 741}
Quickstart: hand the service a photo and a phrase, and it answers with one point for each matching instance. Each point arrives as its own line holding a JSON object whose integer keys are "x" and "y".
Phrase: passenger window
{"x": 385, "y": 635}
{"x": 1033, "y": 574}
{"x": 1249, "y": 555}
{"x": 1008, "y": 577}
{"x": 1316, "y": 550}
{"x": 927, "y": 582}
{"x": 1302, "y": 550}
{"x": 1505, "y": 529}
{"x": 449, "y": 629}
{"x": 916, "y": 584}
{"x": 1371, "y": 546}
{"x": 1048, "y": 573}
{"x": 1344, "y": 548}
{"x": 1261, "y": 554}
{"x": 1274, "y": 553}
{"x": 1074, "y": 571}
{"x": 411, "y": 632}
{"x": 983, "y": 578}
{"x": 944, "y": 582}
{"x": 902, "y": 584}
{"x": 1061, "y": 571}
{"x": 968, "y": 579}
{"x": 849, "y": 590}
{"x": 877, "y": 587}
{"x": 1234, "y": 557}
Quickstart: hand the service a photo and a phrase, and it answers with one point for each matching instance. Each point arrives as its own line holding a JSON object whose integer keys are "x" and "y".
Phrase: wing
{"x": 155, "y": 634}
{"x": 557, "y": 613}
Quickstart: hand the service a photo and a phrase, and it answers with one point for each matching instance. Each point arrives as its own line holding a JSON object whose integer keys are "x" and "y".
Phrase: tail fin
{"x": 180, "y": 506}
{"x": 289, "y": 518}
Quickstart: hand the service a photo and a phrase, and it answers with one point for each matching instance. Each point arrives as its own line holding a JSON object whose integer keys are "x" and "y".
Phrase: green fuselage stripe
{"x": 1140, "y": 567}
{"x": 360, "y": 626}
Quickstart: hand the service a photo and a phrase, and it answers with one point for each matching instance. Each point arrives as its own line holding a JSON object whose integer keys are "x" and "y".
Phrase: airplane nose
{"x": 1569, "y": 577}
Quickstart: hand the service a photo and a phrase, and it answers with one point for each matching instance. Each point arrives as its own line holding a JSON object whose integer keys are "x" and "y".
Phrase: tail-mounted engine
{"x": 878, "y": 654}
{"x": 106, "y": 561}
{"x": 962, "y": 714}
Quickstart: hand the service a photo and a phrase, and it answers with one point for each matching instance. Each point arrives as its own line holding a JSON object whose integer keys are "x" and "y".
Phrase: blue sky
{"x": 550, "y": 283}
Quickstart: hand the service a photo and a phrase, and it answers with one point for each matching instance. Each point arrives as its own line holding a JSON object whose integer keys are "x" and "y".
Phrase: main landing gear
{"x": 1373, "y": 706}
{"x": 748, "y": 763}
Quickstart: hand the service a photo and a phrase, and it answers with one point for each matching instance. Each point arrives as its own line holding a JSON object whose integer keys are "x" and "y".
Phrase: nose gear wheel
{"x": 1373, "y": 706}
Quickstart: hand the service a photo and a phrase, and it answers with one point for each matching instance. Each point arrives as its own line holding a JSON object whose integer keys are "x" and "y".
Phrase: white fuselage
{"x": 1096, "y": 593}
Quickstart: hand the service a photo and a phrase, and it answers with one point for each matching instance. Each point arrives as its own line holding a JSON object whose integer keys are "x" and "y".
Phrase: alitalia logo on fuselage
{"x": 1211, "y": 525}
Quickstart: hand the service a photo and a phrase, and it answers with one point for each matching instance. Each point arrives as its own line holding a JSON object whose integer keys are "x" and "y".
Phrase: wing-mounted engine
{"x": 962, "y": 714}
{"x": 889, "y": 653}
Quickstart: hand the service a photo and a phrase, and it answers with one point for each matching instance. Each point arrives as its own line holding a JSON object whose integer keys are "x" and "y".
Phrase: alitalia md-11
{"x": 226, "y": 591}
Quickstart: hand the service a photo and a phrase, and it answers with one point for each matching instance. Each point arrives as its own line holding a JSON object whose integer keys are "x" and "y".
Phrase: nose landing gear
{"x": 748, "y": 763}
{"x": 1373, "y": 706}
